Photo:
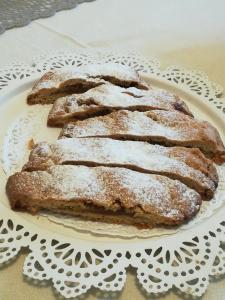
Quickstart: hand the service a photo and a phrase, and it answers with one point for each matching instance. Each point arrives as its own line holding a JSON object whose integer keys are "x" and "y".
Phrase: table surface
{"x": 187, "y": 33}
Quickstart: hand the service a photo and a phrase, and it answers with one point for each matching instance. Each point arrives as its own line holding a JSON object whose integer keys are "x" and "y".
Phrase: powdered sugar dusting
{"x": 54, "y": 79}
{"x": 110, "y": 69}
{"x": 155, "y": 193}
{"x": 145, "y": 188}
{"x": 153, "y": 125}
{"x": 75, "y": 182}
{"x": 111, "y": 188}
{"x": 122, "y": 123}
{"x": 86, "y": 128}
{"x": 140, "y": 154}
{"x": 140, "y": 124}
{"x": 108, "y": 95}
{"x": 146, "y": 157}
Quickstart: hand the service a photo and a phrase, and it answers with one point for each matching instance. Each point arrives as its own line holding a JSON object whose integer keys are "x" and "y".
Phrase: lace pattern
{"x": 185, "y": 259}
{"x": 19, "y": 14}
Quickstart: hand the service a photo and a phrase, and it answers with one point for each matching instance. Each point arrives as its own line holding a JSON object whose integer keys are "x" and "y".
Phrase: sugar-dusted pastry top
{"x": 139, "y": 156}
{"x": 57, "y": 83}
{"x": 166, "y": 127}
{"x": 129, "y": 153}
{"x": 113, "y": 72}
{"x": 108, "y": 97}
{"x": 155, "y": 198}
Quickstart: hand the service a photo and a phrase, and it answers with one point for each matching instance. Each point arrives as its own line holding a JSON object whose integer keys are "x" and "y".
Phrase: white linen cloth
{"x": 150, "y": 26}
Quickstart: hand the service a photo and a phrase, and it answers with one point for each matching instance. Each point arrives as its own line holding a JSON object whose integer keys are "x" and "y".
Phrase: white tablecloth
{"x": 188, "y": 33}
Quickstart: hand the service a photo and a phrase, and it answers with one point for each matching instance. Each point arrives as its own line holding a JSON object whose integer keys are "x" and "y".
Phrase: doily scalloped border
{"x": 185, "y": 263}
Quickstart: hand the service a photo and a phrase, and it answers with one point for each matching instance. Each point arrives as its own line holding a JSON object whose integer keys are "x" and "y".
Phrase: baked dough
{"x": 107, "y": 194}
{"x": 58, "y": 83}
{"x": 107, "y": 98}
{"x": 169, "y": 128}
{"x": 187, "y": 165}
{"x": 130, "y": 154}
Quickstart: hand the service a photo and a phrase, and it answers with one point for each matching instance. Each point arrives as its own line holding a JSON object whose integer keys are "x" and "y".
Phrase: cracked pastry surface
{"x": 59, "y": 83}
{"x": 107, "y": 98}
{"x": 130, "y": 154}
{"x": 80, "y": 190}
{"x": 169, "y": 128}
{"x": 187, "y": 165}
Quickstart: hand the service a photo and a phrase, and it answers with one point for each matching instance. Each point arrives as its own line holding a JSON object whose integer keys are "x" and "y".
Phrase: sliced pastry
{"x": 169, "y": 128}
{"x": 115, "y": 195}
{"x": 187, "y": 165}
{"x": 59, "y": 83}
{"x": 107, "y": 98}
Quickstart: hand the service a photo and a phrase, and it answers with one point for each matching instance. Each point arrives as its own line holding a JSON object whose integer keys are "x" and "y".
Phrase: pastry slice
{"x": 59, "y": 83}
{"x": 169, "y": 128}
{"x": 187, "y": 165}
{"x": 107, "y": 98}
{"x": 114, "y": 195}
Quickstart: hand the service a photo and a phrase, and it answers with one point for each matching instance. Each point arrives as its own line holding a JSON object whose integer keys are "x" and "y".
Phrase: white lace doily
{"x": 32, "y": 124}
{"x": 181, "y": 258}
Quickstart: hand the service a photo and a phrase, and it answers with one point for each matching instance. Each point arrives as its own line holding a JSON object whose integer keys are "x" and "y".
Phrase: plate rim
{"x": 18, "y": 83}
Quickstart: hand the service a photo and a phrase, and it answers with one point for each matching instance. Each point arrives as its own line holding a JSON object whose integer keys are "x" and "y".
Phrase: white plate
{"x": 13, "y": 109}
{"x": 58, "y": 253}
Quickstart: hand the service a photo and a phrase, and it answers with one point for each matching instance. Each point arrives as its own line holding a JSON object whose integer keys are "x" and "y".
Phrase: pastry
{"x": 114, "y": 195}
{"x": 128, "y": 153}
{"x": 187, "y": 165}
{"x": 59, "y": 83}
{"x": 169, "y": 128}
{"x": 107, "y": 98}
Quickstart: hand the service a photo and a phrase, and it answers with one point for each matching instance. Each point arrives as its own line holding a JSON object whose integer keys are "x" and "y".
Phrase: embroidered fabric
{"x": 21, "y": 13}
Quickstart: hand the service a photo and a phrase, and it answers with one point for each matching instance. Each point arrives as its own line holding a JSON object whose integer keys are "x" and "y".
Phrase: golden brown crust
{"x": 45, "y": 93}
{"x": 99, "y": 178}
{"x": 107, "y": 98}
{"x": 154, "y": 200}
{"x": 194, "y": 158}
{"x": 59, "y": 83}
{"x": 169, "y": 128}
{"x": 187, "y": 165}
